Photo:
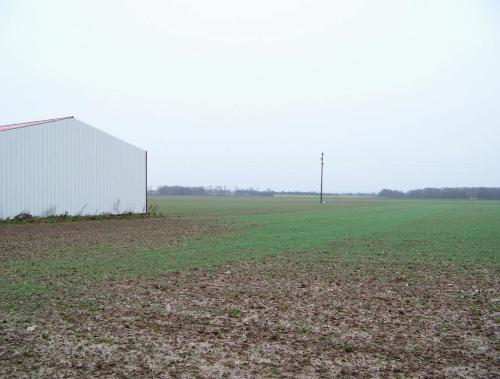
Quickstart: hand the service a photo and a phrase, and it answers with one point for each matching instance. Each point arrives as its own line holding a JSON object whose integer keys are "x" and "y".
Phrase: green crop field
{"x": 465, "y": 231}
{"x": 284, "y": 262}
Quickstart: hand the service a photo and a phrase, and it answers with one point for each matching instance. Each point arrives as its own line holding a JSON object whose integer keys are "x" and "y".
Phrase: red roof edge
{"x": 30, "y": 123}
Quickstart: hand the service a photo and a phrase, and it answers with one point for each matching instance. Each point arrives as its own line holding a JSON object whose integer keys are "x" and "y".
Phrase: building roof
{"x": 30, "y": 123}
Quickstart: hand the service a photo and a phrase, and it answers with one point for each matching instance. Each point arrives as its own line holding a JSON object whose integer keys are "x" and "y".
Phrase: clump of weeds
{"x": 234, "y": 312}
{"x": 346, "y": 347}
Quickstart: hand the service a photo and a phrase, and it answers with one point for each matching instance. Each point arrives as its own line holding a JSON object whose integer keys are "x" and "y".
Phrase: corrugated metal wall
{"x": 69, "y": 166}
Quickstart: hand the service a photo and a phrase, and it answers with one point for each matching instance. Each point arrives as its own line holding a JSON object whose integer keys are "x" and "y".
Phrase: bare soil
{"x": 36, "y": 241}
{"x": 289, "y": 316}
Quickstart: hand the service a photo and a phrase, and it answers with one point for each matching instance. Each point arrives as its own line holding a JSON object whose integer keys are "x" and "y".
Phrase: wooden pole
{"x": 321, "y": 187}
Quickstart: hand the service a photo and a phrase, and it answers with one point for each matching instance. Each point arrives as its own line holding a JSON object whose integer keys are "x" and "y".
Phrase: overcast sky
{"x": 398, "y": 94}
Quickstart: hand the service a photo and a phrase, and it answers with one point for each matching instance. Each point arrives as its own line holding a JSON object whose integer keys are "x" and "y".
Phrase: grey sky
{"x": 398, "y": 94}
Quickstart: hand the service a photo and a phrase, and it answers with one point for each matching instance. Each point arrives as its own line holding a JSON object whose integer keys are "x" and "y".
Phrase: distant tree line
{"x": 190, "y": 191}
{"x": 208, "y": 191}
{"x": 224, "y": 191}
{"x": 480, "y": 193}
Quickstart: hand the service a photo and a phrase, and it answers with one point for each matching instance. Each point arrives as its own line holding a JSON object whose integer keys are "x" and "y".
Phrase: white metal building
{"x": 63, "y": 165}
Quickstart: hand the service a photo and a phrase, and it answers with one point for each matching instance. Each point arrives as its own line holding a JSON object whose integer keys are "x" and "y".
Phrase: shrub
{"x": 23, "y": 216}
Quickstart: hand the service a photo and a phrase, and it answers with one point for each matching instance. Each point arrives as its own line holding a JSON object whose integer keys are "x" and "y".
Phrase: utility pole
{"x": 321, "y": 187}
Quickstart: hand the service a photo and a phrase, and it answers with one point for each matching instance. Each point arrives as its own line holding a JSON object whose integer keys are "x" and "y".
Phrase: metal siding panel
{"x": 71, "y": 166}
